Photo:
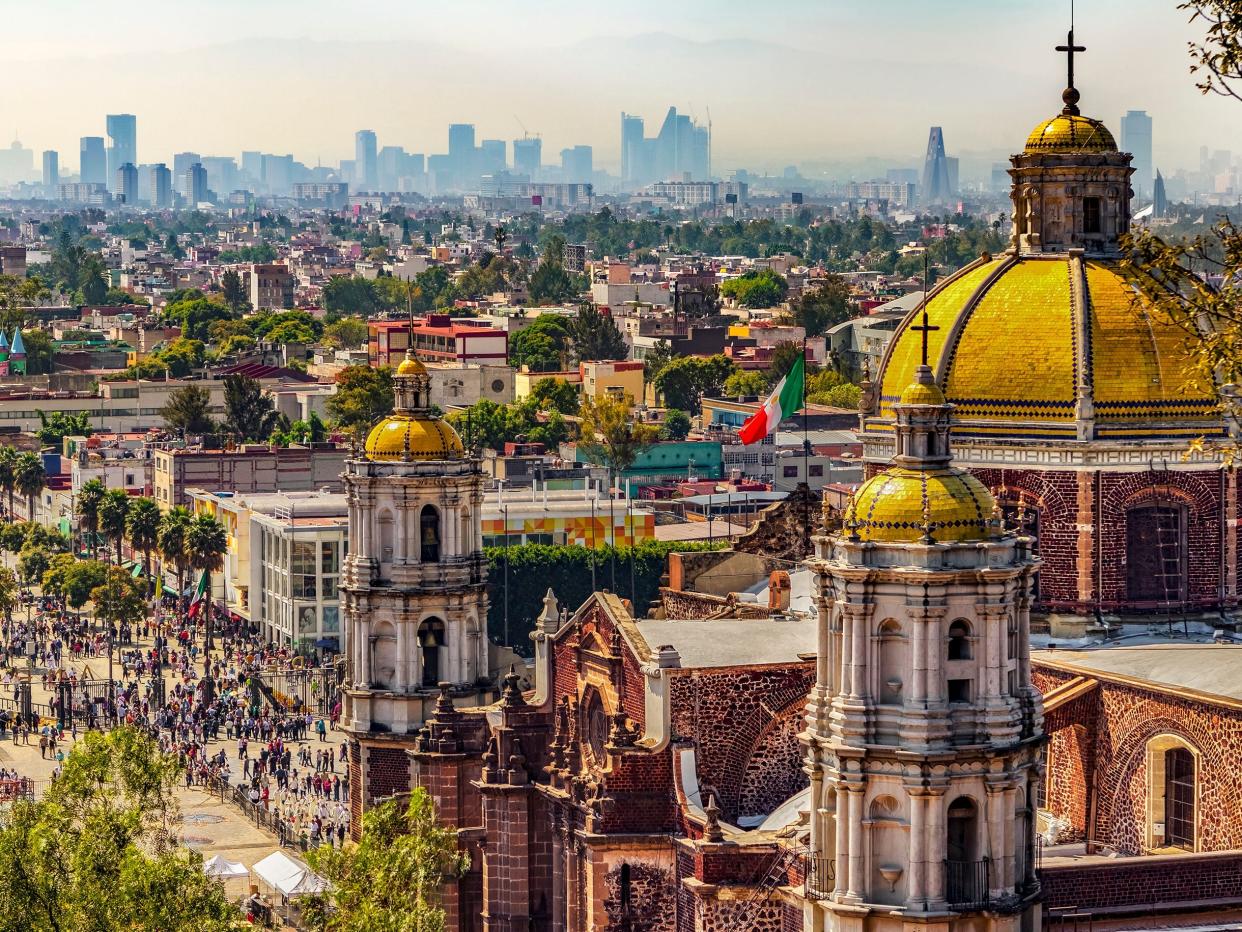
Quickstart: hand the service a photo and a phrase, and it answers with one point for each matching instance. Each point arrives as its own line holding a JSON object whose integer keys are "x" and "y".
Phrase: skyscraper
{"x": 192, "y": 183}
{"x": 160, "y": 193}
{"x": 51, "y": 168}
{"x": 125, "y": 184}
{"x": 1159, "y": 201}
{"x": 528, "y": 156}
{"x": 461, "y": 152}
{"x": 682, "y": 151}
{"x": 93, "y": 161}
{"x": 631, "y": 150}
{"x": 366, "y": 168}
{"x": 391, "y": 163}
{"x": 577, "y": 164}
{"x": 123, "y": 134}
{"x": 936, "y": 188}
{"x": 1136, "y": 139}
{"x": 492, "y": 156}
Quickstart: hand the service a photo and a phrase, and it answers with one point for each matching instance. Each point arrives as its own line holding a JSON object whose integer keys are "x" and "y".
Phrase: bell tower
{"x": 414, "y": 594}
{"x": 923, "y": 729}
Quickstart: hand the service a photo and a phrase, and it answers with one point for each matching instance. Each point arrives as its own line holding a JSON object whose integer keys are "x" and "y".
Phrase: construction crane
{"x": 525, "y": 133}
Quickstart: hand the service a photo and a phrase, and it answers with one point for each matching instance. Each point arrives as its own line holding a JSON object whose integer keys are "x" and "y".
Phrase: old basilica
{"x": 880, "y": 739}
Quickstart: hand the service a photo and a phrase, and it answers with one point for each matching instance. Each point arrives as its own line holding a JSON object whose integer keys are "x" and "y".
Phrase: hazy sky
{"x": 786, "y": 81}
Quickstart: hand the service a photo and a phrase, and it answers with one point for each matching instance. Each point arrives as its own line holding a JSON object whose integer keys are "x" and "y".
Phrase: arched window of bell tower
{"x": 385, "y": 522}
{"x": 429, "y": 534}
{"x": 959, "y": 640}
{"x": 431, "y": 641}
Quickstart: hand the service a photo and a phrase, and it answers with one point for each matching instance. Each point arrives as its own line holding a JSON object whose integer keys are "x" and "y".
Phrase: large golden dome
{"x": 1070, "y": 132}
{"x": 406, "y": 436}
{"x": 1024, "y": 352}
{"x": 900, "y": 505}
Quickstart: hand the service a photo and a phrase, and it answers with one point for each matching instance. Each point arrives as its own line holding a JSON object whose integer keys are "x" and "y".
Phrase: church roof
{"x": 19, "y": 347}
{"x": 1207, "y": 670}
{"x": 402, "y": 436}
{"x": 1020, "y": 343}
{"x": 898, "y": 505}
{"x": 1070, "y": 132}
{"x": 732, "y": 642}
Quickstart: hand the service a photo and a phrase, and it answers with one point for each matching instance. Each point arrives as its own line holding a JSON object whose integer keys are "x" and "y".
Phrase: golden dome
{"x": 890, "y": 507}
{"x": 917, "y": 393}
{"x": 1069, "y": 132}
{"x": 411, "y": 366}
{"x": 1007, "y": 355}
{"x": 402, "y": 436}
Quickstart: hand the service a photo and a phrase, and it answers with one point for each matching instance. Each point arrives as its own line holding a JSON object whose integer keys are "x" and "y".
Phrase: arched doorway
{"x": 1156, "y": 554}
{"x": 431, "y": 643}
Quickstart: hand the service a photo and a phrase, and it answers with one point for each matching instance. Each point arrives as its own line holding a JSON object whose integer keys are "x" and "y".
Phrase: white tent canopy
{"x": 219, "y": 866}
{"x": 287, "y": 875}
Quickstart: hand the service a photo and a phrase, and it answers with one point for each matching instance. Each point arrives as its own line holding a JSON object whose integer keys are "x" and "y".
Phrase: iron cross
{"x": 924, "y": 328}
{"x": 1069, "y": 49}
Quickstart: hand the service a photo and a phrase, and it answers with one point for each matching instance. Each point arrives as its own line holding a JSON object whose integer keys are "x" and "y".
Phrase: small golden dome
{"x": 418, "y": 438}
{"x": 411, "y": 366}
{"x": 1070, "y": 132}
{"x": 890, "y": 507}
{"x": 918, "y": 393}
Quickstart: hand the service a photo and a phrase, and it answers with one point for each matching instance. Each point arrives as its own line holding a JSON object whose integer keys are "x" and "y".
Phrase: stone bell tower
{"x": 414, "y": 594}
{"x": 923, "y": 728}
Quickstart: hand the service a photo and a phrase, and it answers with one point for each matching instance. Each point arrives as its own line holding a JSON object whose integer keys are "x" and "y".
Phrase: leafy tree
{"x": 844, "y": 395}
{"x": 351, "y": 295}
{"x": 99, "y": 850}
{"x": 783, "y": 356}
{"x": 142, "y": 527}
{"x": 113, "y": 514}
{"x": 757, "y": 288}
{"x": 89, "y": 499}
{"x": 60, "y": 424}
{"x": 32, "y": 563}
{"x": 39, "y": 351}
{"x": 29, "y": 479}
{"x": 540, "y": 346}
{"x": 311, "y": 430}
{"x": 93, "y": 282}
{"x": 745, "y": 382}
{"x": 195, "y": 314}
{"x": 391, "y": 880}
{"x": 676, "y": 425}
{"x": 609, "y": 434}
{"x": 206, "y": 544}
{"x": 555, "y": 395}
{"x": 346, "y": 333}
{"x": 119, "y": 600}
{"x": 8, "y": 592}
{"x": 821, "y": 308}
{"x": 659, "y": 356}
{"x": 287, "y": 327}
{"x": 73, "y": 579}
{"x": 185, "y": 412}
{"x": 550, "y": 283}
{"x": 8, "y": 474}
{"x": 595, "y": 336}
{"x": 363, "y": 396}
{"x": 486, "y": 424}
{"x": 232, "y": 290}
{"x": 685, "y": 380}
{"x": 171, "y": 541}
{"x": 249, "y": 412}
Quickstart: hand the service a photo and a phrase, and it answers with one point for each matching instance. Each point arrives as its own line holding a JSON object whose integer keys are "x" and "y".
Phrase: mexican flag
{"x": 785, "y": 399}
{"x": 198, "y": 603}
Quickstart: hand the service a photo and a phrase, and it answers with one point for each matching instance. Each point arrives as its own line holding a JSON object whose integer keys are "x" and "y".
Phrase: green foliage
{"x": 32, "y": 564}
{"x": 99, "y": 849}
{"x": 595, "y": 336}
{"x": 685, "y": 380}
{"x": 39, "y": 351}
{"x": 233, "y": 291}
{"x": 542, "y": 345}
{"x": 119, "y": 599}
{"x": 346, "y": 333}
{"x": 28, "y": 479}
{"x": 756, "y": 288}
{"x": 195, "y": 314}
{"x": 819, "y": 309}
{"x": 567, "y": 570}
{"x": 249, "y": 412}
{"x": 676, "y": 425}
{"x": 260, "y": 252}
{"x": 783, "y": 357}
{"x": 92, "y": 280}
{"x": 363, "y": 396}
{"x": 660, "y": 355}
{"x": 745, "y": 382}
{"x": 54, "y": 427}
{"x": 491, "y": 425}
{"x": 142, "y": 527}
{"x": 312, "y": 430}
{"x": 550, "y": 283}
{"x": 609, "y": 436}
{"x": 8, "y": 592}
{"x": 73, "y": 579}
{"x": 555, "y": 395}
{"x": 89, "y": 498}
{"x": 185, "y": 412}
{"x": 178, "y": 359}
{"x": 286, "y": 327}
{"x": 113, "y": 515}
{"x": 391, "y": 881}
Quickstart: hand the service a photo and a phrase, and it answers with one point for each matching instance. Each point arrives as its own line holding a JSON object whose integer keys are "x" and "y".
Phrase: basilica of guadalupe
{"x": 875, "y": 741}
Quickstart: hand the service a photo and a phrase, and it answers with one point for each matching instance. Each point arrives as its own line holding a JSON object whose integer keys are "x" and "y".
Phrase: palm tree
{"x": 28, "y": 476}
{"x": 113, "y": 513}
{"x": 8, "y": 465}
{"x": 142, "y": 526}
{"x": 171, "y": 541}
{"x": 206, "y": 543}
{"x": 89, "y": 497}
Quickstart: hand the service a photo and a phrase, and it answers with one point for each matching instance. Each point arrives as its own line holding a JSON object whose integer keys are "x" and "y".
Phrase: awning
{"x": 136, "y": 572}
{"x": 169, "y": 590}
{"x": 287, "y": 875}
{"x": 221, "y": 867}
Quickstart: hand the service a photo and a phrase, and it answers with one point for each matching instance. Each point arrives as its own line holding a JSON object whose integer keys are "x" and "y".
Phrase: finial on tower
{"x": 1070, "y": 94}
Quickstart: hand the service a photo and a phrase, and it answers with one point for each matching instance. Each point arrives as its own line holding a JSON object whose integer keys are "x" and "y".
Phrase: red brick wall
{"x": 388, "y": 772}
{"x": 1144, "y": 882}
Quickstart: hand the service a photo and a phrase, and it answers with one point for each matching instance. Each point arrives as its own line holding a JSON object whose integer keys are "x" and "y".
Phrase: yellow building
{"x": 563, "y": 517}
{"x": 601, "y": 379}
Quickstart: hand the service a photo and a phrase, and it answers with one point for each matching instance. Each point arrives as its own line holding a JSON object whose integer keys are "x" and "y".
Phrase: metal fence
{"x": 821, "y": 876}
{"x": 966, "y": 883}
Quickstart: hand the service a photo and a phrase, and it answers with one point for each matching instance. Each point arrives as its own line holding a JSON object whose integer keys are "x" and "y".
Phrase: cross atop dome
{"x": 1070, "y": 95}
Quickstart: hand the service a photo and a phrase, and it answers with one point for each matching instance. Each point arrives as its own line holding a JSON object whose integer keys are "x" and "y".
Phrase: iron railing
{"x": 966, "y": 883}
{"x": 821, "y": 876}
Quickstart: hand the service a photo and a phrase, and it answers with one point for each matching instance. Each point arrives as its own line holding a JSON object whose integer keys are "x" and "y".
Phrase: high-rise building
{"x": 192, "y": 184}
{"x": 577, "y": 164}
{"x": 125, "y": 184}
{"x": 1159, "y": 200}
{"x": 366, "y": 169}
{"x": 1136, "y": 139}
{"x": 681, "y": 151}
{"x": 462, "y": 153}
{"x": 221, "y": 172}
{"x": 937, "y": 187}
{"x": 51, "y": 168}
{"x": 93, "y": 160}
{"x": 159, "y": 194}
{"x": 277, "y": 173}
{"x": 632, "y": 138}
{"x": 391, "y": 166}
{"x": 492, "y": 156}
{"x": 528, "y": 156}
{"x": 123, "y": 149}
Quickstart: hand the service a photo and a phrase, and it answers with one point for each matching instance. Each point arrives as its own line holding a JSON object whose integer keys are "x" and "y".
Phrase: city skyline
{"x": 741, "y": 68}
